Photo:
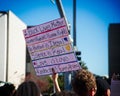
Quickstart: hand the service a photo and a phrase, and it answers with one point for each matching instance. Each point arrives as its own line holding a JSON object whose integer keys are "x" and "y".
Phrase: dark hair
{"x": 7, "y": 89}
{"x": 28, "y": 88}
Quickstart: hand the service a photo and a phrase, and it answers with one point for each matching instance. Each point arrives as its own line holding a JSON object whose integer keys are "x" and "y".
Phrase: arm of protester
{"x": 107, "y": 92}
{"x": 55, "y": 81}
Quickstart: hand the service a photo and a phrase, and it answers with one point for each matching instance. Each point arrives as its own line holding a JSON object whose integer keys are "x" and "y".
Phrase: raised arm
{"x": 55, "y": 81}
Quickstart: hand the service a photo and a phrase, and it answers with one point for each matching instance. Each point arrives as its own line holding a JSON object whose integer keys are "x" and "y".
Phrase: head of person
{"x": 103, "y": 87}
{"x": 28, "y": 88}
{"x": 84, "y": 83}
{"x": 7, "y": 89}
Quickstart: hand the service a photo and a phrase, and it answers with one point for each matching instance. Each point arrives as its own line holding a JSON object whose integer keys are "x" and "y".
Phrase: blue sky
{"x": 93, "y": 19}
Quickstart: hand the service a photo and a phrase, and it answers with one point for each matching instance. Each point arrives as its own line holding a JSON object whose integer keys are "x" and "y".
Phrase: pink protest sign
{"x": 115, "y": 88}
{"x": 52, "y": 25}
{"x": 55, "y": 60}
{"x": 49, "y": 44}
{"x": 50, "y": 47}
{"x": 58, "y": 68}
{"x": 47, "y": 35}
{"x": 51, "y": 52}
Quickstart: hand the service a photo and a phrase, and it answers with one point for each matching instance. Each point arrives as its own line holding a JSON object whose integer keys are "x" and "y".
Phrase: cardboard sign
{"x": 58, "y": 68}
{"x": 115, "y": 88}
{"x": 49, "y": 26}
{"x": 47, "y": 35}
{"x": 49, "y": 44}
{"x": 50, "y": 47}
{"x": 55, "y": 60}
{"x": 51, "y": 52}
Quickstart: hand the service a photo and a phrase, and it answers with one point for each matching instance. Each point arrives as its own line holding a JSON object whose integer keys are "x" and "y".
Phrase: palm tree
{"x": 83, "y": 65}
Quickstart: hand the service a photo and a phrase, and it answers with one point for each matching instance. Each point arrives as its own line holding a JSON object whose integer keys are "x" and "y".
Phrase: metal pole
{"x": 67, "y": 75}
{"x": 62, "y": 12}
{"x": 74, "y": 23}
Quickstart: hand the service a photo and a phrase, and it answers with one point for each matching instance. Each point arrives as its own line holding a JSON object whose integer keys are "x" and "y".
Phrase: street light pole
{"x": 67, "y": 75}
{"x": 62, "y": 13}
{"x": 74, "y": 23}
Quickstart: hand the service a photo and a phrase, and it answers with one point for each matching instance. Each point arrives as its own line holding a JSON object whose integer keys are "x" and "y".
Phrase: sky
{"x": 92, "y": 22}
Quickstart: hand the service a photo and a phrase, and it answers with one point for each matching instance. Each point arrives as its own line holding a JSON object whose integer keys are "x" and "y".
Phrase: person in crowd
{"x": 84, "y": 83}
{"x": 103, "y": 87}
{"x": 28, "y": 88}
{"x": 8, "y": 89}
{"x": 42, "y": 83}
{"x": 57, "y": 88}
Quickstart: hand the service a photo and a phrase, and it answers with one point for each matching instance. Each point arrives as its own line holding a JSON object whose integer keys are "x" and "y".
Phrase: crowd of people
{"x": 84, "y": 83}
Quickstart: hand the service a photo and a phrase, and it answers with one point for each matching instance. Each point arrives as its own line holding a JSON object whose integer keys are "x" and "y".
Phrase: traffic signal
{"x": 78, "y": 55}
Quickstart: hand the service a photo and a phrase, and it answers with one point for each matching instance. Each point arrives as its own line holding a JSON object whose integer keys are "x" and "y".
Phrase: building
{"x": 13, "y": 48}
{"x": 114, "y": 49}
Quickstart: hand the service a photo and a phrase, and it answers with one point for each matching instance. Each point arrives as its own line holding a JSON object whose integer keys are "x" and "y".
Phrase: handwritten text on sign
{"x": 61, "y": 59}
{"x": 49, "y": 44}
{"x": 51, "y": 52}
{"x": 44, "y": 27}
{"x": 47, "y": 35}
{"x": 50, "y": 47}
{"x": 58, "y": 68}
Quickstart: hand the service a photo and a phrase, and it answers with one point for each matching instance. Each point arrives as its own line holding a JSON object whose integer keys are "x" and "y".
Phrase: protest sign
{"x": 50, "y": 47}
{"x": 115, "y": 87}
